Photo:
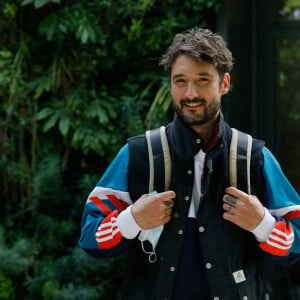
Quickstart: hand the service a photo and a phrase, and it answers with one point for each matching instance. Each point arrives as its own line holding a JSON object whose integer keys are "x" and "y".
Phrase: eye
{"x": 180, "y": 82}
{"x": 202, "y": 81}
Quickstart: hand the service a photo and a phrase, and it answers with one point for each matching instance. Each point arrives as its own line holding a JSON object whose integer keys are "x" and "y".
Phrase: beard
{"x": 193, "y": 117}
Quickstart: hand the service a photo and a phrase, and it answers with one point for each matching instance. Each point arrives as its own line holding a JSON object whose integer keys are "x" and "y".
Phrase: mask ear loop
{"x": 152, "y": 254}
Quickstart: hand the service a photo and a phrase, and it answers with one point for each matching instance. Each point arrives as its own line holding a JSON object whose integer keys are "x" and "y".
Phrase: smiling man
{"x": 196, "y": 90}
{"x": 201, "y": 239}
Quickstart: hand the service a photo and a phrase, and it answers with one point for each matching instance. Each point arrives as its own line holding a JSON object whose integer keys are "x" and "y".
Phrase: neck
{"x": 207, "y": 130}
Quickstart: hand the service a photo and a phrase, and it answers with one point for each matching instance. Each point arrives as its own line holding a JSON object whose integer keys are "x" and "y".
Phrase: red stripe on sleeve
{"x": 99, "y": 203}
{"x": 108, "y": 234}
{"x": 280, "y": 240}
{"x": 292, "y": 215}
{"x": 119, "y": 204}
{"x": 273, "y": 250}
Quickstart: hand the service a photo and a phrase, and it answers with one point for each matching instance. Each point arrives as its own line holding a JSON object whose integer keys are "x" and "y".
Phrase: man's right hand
{"x": 150, "y": 211}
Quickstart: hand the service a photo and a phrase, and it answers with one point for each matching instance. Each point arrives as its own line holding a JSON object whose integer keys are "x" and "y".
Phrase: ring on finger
{"x": 167, "y": 203}
{"x": 167, "y": 212}
{"x": 229, "y": 207}
{"x": 231, "y": 199}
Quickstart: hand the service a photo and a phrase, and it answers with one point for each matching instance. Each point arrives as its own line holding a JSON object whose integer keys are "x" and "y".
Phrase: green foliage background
{"x": 76, "y": 79}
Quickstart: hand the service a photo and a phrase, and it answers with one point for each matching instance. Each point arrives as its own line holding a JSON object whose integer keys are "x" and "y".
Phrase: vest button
{"x": 245, "y": 298}
{"x": 198, "y": 141}
{"x": 180, "y": 231}
{"x": 208, "y": 266}
{"x": 186, "y": 198}
{"x": 176, "y": 215}
{"x": 201, "y": 229}
{"x": 172, "y": 269}
{"x": 190, "y": 172}
{"x": 216, "y": 298}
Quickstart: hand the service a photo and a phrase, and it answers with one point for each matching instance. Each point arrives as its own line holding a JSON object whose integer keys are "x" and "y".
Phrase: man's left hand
{"x": 246, "y": 211}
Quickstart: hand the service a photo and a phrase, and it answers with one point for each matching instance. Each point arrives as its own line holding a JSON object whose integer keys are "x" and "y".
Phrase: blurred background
{"x": 79, "y": 77}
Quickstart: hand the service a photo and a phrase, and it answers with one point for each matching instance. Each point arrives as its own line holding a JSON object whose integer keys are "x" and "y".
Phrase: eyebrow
{"x": 199, "y": 74}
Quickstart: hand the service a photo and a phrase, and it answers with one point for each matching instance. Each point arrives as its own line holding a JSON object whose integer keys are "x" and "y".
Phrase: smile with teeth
{"x": 193, "y": 104}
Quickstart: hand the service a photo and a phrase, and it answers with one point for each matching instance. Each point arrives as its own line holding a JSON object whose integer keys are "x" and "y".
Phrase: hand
{"x": 152, "y": 211}
{"x": 246, "y": 211}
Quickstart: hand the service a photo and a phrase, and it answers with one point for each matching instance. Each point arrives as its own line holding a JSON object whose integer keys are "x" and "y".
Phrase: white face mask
{"x": 151, "y": 235}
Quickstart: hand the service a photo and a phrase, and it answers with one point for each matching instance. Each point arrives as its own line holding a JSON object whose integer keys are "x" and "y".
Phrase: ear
{"x": 225, "y": 85}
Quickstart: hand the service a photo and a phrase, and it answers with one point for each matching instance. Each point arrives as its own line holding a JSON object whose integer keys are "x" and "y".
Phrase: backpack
{"x": 160, "y": 159}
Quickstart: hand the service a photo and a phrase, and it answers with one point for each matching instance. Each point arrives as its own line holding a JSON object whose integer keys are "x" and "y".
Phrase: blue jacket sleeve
{"x": 100, "y": 235}
{"x": 283, "y": 202}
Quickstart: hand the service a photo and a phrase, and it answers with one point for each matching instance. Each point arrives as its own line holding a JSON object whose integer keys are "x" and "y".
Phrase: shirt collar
{"x": 187, "y": 142}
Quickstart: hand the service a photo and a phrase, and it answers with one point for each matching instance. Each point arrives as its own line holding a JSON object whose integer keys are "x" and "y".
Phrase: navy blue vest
{"x": 190, "y": 260}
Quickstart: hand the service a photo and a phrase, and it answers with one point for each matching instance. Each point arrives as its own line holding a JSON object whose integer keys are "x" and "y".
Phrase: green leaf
{"x": 39, "y": 85}
{"x": 38, "y": 3}
{"x": 49, "y": 26}
{"x": 85, "y": 31}
{"x": 41, "y": 3}
{"x": 10, "y": 10}
{"x": 51, "y": 122}
{"x": 44, "y": 113}
{"x": 64, "y": 124}
{"x": 26, "y": 2}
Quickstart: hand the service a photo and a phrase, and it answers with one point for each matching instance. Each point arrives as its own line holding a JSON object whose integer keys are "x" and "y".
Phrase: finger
{"x": 229, "y": 216}
{"x": 168, "y": 195}
{"x": 168, "y": 203}
{"x": 227, "y": 207}
{"x": 165, "y": 198}
{"x": 166, "y": 219}
{"x": 232, "y": 191}
{"x": 167, "y": 211}
{"x": 166, "y": 214}
{"x": 231, "y": 199}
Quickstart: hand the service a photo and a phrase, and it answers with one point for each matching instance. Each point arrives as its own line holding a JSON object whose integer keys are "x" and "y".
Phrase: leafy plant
{"x": 76, "y": 79}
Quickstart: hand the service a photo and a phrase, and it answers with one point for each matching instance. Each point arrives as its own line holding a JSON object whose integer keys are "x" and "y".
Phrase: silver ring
{"x": 167, "y": 203}
{"x": 231, "y": 199}
{"x": 229, "y": 207}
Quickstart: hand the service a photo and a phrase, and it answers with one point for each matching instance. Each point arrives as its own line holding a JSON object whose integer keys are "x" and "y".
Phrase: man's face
{"x": 196, "y": 90}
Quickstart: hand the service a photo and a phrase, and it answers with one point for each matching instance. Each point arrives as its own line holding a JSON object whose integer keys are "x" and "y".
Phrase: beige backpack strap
{"x": 240, "y": 160}
{"x": 232, "y": 158}
{"x": 159, "y": 159}
{"x": 167, "y": 157}
{"x": 151, "y": 164}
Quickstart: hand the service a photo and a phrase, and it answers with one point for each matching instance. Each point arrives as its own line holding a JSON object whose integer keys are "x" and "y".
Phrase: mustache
{"x": 196, "y": 100}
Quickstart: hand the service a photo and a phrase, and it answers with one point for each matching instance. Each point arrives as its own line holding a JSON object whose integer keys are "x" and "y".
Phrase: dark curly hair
{"x": 201, "y": 44}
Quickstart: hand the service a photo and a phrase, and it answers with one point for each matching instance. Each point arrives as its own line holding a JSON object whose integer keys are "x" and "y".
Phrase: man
{"x": 201, "y": 239}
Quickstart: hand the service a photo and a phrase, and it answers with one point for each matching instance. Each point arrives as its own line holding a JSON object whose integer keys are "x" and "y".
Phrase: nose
{"x": 191, "y": 91}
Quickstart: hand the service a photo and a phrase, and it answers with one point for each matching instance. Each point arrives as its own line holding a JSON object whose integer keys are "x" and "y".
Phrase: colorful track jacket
{"x": 101, "y": 236}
